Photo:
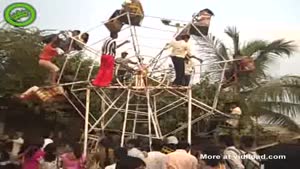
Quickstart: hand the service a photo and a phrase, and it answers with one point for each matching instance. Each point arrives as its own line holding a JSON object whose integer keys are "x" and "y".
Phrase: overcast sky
{"x": 255, "y": 19}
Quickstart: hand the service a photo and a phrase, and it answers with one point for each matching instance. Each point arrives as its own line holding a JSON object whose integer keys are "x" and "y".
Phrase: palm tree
{"x": 278, "y": 101}
{"x": 259, "y": 95}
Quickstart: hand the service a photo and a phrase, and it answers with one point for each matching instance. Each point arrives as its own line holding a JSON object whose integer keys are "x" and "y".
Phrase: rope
{"x": 137, "y": 41}
{"x": 163, "y": 30}
{"x": 157, "y": 17}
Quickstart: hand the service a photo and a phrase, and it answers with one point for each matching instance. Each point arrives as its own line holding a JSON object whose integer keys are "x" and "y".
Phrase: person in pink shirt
{"x": 32, "y": 157}
{"x": 74, "y": 159}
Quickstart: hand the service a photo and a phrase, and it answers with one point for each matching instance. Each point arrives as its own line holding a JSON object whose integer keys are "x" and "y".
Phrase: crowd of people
{"x": 44, "y": 153}
{"x": 174, "y": 154}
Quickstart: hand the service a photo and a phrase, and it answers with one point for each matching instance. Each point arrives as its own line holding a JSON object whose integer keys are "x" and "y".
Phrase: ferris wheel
{"x": 142, "y": 94}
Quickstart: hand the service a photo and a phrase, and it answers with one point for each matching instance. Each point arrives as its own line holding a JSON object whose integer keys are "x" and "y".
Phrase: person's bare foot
{"x": 20, "y": 96}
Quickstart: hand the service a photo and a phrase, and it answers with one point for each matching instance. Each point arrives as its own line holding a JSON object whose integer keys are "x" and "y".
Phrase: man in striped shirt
{"x": 106, "y": 70}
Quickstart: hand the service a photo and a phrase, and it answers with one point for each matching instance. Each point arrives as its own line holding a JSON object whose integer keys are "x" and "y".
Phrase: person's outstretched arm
{"x": 123, "y": 43}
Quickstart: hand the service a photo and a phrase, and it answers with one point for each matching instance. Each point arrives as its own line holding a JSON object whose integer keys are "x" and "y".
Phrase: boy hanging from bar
{"x": 60, "y": 44}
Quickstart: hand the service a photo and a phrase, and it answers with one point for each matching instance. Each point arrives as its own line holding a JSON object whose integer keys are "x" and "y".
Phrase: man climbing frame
{"x": 49, "y": 52}
{"x": 106, "y": 70}
{"x": 60, "y": 44}
{"x": 180, "y": 49}
{"x": 124, "y": 67}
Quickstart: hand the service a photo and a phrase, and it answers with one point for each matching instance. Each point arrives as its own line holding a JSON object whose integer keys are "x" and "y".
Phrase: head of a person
{"x": 114, "y": 35}
{"x": 226, "y": 140}
{"x": 157, "y": 145}
{"x": 132, "y": 143}
{"x": 76, "y": 32}
{"x": 85, "y": 37}
{"x": 19, "y": 134}
{"x": 106, "y": 142}
{"x": 212, "y": 151}
{"x": 50, "y": 152}
{"x": 49, "y": 135}
{"x": 55, "y": 42}
{"x": 172, "y": 140}
{"x": 124, "y": 54}
{"x": 30, "y": 151}
{"x": 247, "y": 142}
{"x": 185, "y": 37}
{"x": 207, "y": 11}
{"x": 183, "y": 145}
{"x": 233, "y": 106}
{"x": 77, "y": 150}
{"x": 131, "y": 163}
{"x": 120, "y": 153}
{"x": 33, "y": 148}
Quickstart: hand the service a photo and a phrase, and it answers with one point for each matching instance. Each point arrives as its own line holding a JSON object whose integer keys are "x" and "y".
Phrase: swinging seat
{"x": 49, "y": 94}
{"x": 201, "y": 23}
{"x": 136, "y": 14}
{"x": 114, "y": 24}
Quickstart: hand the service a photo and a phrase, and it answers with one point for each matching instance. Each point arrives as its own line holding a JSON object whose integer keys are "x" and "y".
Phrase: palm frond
{"x": 279, "y": 96}
{"x": 212, "y": 48}
{"x": 233, "y": 33}
{"x": 269, "y": 53}
{"x": 252, "y": 47}
{"x": 280, "y": 120}
{"x": 275, "y": 49}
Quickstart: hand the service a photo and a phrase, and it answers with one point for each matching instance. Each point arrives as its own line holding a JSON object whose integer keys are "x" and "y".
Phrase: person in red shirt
{"x": 49, "y": 52}
{"x": 58, "y": 46}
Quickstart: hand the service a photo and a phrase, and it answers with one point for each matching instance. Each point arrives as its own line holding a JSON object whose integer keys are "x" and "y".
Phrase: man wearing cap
{"x": 124, "y": 65}
{"x": 170, "y": 147}
{"x": 180, "y": 49}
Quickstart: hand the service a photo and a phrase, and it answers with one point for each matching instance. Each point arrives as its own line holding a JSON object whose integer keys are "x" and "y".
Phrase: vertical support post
{"x": 155, "y": 117}
{"x": 86, "y": 124}
{"x": 190, "y": 115}
{"x": 149, "y": 116}
{"x": 65, "y": 63}
{"x": 125, "y": 119}
{"x": 216, "y": 99}
{"x": 76, "y": 74}
{"x": 102, "y": 123}
{"x": 135, "y": 117}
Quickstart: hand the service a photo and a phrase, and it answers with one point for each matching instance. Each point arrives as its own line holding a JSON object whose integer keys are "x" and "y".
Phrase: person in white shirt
{"x": 48, "y": 140}
{"x": 18, "y": 141}
{"x": 231, "y": 155}
{"x": 133, "y": 151}
{"x": 180, "y": 49}
{"x": 236, "y": 112}
{"x": 155, "y": 158}
{"x": 251, "y": 159}
{"x": 189, "y": 69}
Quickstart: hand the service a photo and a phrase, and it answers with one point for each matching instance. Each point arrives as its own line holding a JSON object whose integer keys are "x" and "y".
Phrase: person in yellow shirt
{"x": 180, "y": 49}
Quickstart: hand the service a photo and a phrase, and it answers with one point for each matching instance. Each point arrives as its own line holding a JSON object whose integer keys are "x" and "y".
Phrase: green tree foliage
{"x": 258, "y": 94}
